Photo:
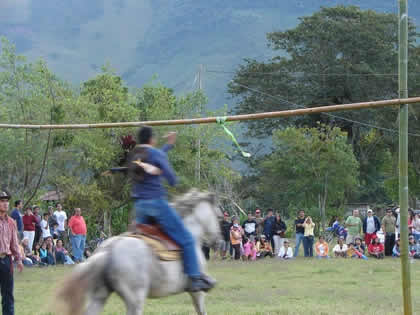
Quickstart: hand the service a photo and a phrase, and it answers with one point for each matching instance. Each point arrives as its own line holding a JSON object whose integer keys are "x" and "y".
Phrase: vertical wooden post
{"x": 403, "y": 155}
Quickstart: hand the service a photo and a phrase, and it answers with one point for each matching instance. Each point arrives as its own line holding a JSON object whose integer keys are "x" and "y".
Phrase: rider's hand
{"x": 171, "y": 138}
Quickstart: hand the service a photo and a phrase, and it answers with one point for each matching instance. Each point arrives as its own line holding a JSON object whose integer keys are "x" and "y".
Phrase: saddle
{"x": 162, "y": 245}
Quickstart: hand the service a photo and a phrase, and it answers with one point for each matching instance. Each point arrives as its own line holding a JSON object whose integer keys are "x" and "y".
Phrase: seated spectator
{"x": 250, "y": 251}
{"x": 37, "y": 255}
{"x": 62, "y": 255}
{"x": 376, "y": 249}
{"x": 24, "y": 250}
{"x": 46, "y": 253}
{"x": 264, "y": 248}
{"x": 321, "y": 248}
{"x": 286, "y": 251}
{"x": 359, "y": 248}
{"x": 340, "y": 250}
{"x": 356, "y": 251}
{"x": 396, "y": 250}
{"x": 412, "y": 246}
{"x": 417, "y": 252}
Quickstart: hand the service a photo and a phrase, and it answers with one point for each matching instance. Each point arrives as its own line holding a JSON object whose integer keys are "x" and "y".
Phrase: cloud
{"x": 15, "y": 11}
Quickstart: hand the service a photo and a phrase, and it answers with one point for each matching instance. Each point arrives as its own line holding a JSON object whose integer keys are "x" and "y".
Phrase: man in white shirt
{"x": 371, "y": 225}
{"x": 61, "y": 218}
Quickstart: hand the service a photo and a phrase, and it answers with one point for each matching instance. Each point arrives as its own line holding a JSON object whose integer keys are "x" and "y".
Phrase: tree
{"x": 310, "y": 166}
{"x": 337, "y": 55}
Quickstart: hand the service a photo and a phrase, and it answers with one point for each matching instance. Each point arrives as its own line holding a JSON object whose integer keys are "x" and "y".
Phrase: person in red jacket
{"x": 29, "y": 222}
{"x": 376, "y": 248}
{"x": 78, "y": 229}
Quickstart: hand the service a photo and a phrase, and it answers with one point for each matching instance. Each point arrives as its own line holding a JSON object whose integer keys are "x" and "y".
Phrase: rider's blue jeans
{"x": 159, "y": 211}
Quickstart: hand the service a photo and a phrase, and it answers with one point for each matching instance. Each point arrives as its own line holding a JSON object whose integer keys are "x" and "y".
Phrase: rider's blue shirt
{"x": 151, "y": 187}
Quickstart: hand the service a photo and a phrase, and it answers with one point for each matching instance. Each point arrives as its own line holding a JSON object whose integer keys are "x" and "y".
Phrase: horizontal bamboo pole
{"x": 208, "y": 120}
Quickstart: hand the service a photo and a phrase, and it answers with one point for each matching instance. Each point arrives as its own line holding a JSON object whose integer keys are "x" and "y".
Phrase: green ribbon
{"x": 221, "y": 121}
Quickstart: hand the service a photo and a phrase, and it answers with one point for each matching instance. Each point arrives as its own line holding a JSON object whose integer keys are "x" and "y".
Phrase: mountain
{"x": 166, "y": 38}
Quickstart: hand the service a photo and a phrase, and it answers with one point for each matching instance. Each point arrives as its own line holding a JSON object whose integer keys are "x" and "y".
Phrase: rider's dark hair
{"x": 144, "y": 135}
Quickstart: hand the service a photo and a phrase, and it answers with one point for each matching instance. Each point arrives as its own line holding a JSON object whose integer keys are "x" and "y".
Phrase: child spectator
{"x": 235, "y": 240}
{"x": 264, "y": 247}
{"x": 321, "y": 248}
{"x": 340, "y": 250}
{"x": 376, "y": 248}
{"x": 396, "y": 250}
{"x": 45, "y": 227}
{"x": 286, "y": 251}
{"x": 250, "y": 252}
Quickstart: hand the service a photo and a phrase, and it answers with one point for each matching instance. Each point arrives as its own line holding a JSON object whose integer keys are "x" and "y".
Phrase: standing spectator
{"x": 260, "y": 221}
{"x": 51, "y": 219}
{"x": 45, "y": 226}
{"x": 29, "y": 222}
{"x": 371, "y": 226}
{"x": 61, "y": 217}
{"x": 286, "y": 251}
{"x": 17, "y": 216}
{"x": 38, "y": 230}
{"x": 300, "y": 230}
{"x": 411, "y": 218}
{"x": 340, "y": 250}
{"x": 376, "y": 248}
{"x": 354, "y": 227}
{"x": 321, "y": 248}
{"x": 250, "y": 251}
{"x": 250, "y": 226}
{"x": 268, "y": 225}
{"x": 78, "y": 230}
{"x": 9, "y": 246}
{"x": 388, "y": 227}
{"x": 279, "y": 230}
{"x": 235, "y": 240}
{"x": 308, "y": 237}
{"x": 225, "y": 226}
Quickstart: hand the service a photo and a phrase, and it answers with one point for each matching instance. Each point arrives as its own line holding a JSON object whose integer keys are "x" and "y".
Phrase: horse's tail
{"x": 72, "y": 293}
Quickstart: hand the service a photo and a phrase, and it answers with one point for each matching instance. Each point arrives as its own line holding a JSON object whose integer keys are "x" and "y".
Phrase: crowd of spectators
{"x": 360, "y": 238}
{"x": 48, "y": 238}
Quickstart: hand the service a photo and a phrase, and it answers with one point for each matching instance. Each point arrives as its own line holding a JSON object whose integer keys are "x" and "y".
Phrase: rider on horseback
{"x": 147, "y": 165}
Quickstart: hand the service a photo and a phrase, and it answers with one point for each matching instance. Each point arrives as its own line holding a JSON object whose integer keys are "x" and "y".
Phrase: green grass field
{"x": 265, "y": 287}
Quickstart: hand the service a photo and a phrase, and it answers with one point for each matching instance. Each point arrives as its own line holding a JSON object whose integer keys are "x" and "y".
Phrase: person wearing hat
{"x": 225, "y": 226}
{"x": 9, "y": 246}
{"x": 371, "y": 225}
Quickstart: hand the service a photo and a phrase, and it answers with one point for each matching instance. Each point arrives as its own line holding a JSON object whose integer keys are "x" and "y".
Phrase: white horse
{"x": 128, "y": 266}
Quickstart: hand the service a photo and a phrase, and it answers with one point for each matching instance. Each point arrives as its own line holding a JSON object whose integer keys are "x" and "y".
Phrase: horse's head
{"x": 201, "y": 214}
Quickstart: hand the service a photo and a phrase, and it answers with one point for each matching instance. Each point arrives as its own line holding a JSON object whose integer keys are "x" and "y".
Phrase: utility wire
{"x": 327, "y": 114}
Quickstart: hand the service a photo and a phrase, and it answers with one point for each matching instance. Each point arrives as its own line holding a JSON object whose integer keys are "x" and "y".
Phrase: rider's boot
{"x": 200, "y": 283}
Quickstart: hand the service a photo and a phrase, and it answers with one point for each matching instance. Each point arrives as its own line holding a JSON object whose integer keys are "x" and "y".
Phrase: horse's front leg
{"x": 198, "y": 300}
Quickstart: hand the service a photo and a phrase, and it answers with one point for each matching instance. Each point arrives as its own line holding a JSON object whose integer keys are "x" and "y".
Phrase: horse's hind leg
{"x": 96, "y": 300}
{"x": 198, "y": 300}
{"x": 133, "y": 299}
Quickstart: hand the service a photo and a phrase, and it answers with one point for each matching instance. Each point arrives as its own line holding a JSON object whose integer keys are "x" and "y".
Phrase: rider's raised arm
{"x": 167, "y": 171}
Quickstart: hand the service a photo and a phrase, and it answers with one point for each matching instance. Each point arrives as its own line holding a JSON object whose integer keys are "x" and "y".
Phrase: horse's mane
{"x": 185, "y": 203}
